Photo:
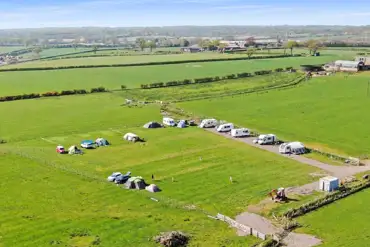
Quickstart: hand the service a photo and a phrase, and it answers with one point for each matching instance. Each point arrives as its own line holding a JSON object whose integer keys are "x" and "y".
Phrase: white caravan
{"x": 169, "y": 121}
{"x": 292, "y": 148}
{"x": 240, "y": 132}
{"x": 208, "y": 123}
{"x": 225, "y": 127}
{"x": 265, "y": 139}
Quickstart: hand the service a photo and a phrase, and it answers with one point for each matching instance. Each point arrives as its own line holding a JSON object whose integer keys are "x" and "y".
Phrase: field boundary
{"x": 247, "y": 230}
{"x": 142, "y": 64}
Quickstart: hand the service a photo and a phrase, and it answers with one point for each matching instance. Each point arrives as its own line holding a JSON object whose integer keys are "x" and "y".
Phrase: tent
{"x": 131, "y": 137}
{"x": 152, "y": 188}
{"x": 135, "y": 183}
{"x": 87, "y": 144}
{"x": 74, "y": 150}
{"x": 101, "y": 142}
{"x": 152, "y": 125}
{"x": 181, "y": 124}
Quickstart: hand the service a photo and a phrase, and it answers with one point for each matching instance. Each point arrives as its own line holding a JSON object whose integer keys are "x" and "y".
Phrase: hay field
{"x": 13, "y": 83}
{"x": 328, "y": 113}
{"x": 45, "y": 204}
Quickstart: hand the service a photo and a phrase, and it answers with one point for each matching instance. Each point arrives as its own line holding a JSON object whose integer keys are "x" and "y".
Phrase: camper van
{"x": 169, "y": 121}
{"x": 208, "y": 123}
{"x": 266, "y": 139}
{"x": 292, "y": 148}
{"x": 225, "y": 127}
{"x": 240, "y": 132}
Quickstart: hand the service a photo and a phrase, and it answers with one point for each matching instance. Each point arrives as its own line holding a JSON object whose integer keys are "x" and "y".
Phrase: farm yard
{"x": 66, "y": 200}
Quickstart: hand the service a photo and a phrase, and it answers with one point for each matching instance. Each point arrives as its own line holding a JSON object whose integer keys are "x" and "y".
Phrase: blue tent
{"x": 87, "y": 142}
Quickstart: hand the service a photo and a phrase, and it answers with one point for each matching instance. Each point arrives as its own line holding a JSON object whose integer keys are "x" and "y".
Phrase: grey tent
{"x": 152, "y": 125}
{"x": 152, "y": 188}
{"x": 135, "y": 183}
{"x": 181, "y": 124}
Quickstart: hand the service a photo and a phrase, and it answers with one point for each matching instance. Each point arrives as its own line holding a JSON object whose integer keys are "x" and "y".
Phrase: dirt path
{"x": 264, "y": 225}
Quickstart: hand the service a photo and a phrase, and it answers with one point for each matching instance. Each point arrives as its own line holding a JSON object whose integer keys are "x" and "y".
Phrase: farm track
{"x": 337, "y": 171}
{"x": 263, "y": 224}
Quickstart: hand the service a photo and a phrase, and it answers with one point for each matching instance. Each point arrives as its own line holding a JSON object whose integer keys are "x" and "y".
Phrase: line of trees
{"x": 52, "y": 94}
{"x": 212, "y": 79}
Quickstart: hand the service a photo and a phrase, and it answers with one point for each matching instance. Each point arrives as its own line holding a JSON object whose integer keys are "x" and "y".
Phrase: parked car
{"x": 88, "y": 144}
{"x": 113, "y": 177}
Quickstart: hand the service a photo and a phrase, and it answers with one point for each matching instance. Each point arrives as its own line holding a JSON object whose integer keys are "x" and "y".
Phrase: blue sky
{"x": 123, "y": 13}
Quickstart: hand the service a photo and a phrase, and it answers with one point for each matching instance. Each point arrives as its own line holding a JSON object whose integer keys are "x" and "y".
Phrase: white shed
{"x": 329, "y": 183}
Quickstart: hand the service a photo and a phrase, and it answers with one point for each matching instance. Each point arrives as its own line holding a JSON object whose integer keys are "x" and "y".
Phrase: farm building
{"x": 345, "y": 66}
{"x": 192, "y": 49}
{"x": 328, "y": 183}
{"x": 365, "y": 61}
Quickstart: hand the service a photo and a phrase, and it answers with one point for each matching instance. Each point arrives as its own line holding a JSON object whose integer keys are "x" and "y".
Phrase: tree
{"x": 204, "y": 43}
{"x": 251, "y": 41}
{"x": 250, "y": 52}
{"x": 290, "y": 45}
{"x": 37, "y": 51}
{"x": 152, "y": 45}
{"x": 141, "y": 43}
{"x": 95, "y": 49}
{"x": 74, "y": 44}
{"x": 184, "y": 43}
{"x": 313, "y": 46}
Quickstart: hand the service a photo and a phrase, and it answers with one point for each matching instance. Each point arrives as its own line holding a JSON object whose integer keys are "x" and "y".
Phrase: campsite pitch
{"x": 322, "y": 113}
{"x": 77, "y": 206}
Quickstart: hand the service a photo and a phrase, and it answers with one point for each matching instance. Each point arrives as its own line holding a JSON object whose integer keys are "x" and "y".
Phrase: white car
{"x": 112, "y": 177}
{"x": 88, "y": 144}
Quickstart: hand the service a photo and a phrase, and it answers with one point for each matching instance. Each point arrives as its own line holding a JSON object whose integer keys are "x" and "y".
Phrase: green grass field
{"x": 344, "y": 223}
{"x": 13, "y": 83}
{"x": 4, "y": 49}
{"x": 327, "y": 113}
{"x": 54, "y": 52}
{"x": 214, "y": 89}
{"x": 42, "y": 203}
{"x": 123, "y": 60}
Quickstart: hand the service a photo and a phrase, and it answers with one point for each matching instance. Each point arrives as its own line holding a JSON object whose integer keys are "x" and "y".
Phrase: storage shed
{"x": 343, "y": 65}
{"x": 329, "y": 183}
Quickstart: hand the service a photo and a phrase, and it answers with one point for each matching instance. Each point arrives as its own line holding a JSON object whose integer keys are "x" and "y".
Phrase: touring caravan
{"x": 292, "y": 148}
{"x": 208, "y": 123}
{"x": 240, "y": 132}
{"x": 225, "y": 127}
{"x": 169, "y": 121}
{"x": 265, "y": 139}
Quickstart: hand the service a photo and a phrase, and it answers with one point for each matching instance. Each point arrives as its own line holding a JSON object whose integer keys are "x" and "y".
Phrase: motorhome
{"x": 169, "y": 121}
{"x": 266, "y": 139}
{"x": 240, "y": 132}
{"x": 225, "y": 127}
{"x": 292, "y": 148}
{"x": 208, "y": 123}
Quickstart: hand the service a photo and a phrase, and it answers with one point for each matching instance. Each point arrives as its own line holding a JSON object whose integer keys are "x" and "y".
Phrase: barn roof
{"x": 345, "y": 62}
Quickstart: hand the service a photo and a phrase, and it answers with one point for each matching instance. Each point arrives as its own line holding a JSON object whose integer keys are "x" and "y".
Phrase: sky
{"x": 135, "y": 13}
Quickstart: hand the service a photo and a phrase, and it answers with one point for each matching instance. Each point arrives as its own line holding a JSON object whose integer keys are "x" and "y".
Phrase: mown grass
{"x": 215, "y": 89}
{"x": 13, "y": 83}
{"x": 326, "y": 113}
{"x": 42, "y": 206}
{"x": 42, "y": 203}
{"x": 4, "y": 49}
{"x": 54, "y": 52}
{"x": 343, "y": 223}
{"x": 123, "y": 60}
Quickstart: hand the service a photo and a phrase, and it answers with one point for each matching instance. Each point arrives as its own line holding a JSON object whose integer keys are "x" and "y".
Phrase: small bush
{"x": 123, "y": 87}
